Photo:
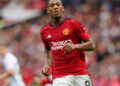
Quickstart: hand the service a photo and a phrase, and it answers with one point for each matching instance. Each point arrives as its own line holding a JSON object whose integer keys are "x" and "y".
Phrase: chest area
{"x": 61, "y": 33}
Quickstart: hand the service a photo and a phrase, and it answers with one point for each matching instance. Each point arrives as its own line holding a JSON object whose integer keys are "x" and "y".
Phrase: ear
{"x": 48, "y": 10}
{"x": 63, "y": 8}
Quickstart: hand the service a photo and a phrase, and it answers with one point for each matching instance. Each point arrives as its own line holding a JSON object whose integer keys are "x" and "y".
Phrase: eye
{"x": 51, "y": 5}
{"x": 58, "y": 4}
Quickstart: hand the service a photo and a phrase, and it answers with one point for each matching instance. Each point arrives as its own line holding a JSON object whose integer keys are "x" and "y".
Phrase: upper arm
{"x": 81, "y": 31}
{"x": 45, "y": 43}
{"x": 10, "y": 66}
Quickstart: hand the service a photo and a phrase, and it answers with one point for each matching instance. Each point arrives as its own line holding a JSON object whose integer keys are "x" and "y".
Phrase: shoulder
{"x": 72, "y": 21}
{"x": 44, "y": 28}
{"x": 10, "y": 57}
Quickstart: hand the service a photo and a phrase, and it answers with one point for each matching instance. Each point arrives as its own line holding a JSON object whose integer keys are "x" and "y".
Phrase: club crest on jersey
{"x": 66, "y": 31}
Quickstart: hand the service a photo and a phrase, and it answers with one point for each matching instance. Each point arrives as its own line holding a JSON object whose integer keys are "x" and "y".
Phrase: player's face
{"x": 55, "y": 8}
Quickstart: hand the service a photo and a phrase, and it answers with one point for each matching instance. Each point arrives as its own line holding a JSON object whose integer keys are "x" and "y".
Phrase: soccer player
{"x": 12, "y": 67}
{"x": 67, "y": 40}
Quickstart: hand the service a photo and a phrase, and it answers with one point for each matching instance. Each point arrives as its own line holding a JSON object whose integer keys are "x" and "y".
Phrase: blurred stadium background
{"x": 21, "y": 21}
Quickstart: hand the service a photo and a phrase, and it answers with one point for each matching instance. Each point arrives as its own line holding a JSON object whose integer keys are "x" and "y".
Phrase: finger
{"x": 68, "y": 50}
{"x": 46, "y": 70}
{"x": 65, "y": 46}
{"x": 45, "y": 74}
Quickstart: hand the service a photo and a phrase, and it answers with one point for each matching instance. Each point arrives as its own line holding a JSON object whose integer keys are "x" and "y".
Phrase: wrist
{"x": 77, "y": 47}
{"x": 74, "y": 47}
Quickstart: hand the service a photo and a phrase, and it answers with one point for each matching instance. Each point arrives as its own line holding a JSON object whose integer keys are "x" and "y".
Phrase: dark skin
{"x": 55, "y": 10}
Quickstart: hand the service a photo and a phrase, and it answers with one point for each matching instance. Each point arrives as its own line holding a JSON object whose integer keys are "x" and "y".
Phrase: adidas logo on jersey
{"x": 49, "y": 36}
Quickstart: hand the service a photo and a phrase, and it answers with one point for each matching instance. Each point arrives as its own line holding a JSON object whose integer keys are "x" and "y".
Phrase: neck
{"x": 57, "y": 21}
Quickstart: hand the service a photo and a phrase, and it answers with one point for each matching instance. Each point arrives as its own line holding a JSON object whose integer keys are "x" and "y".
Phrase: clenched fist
{"x": 68, "y": 48}
{"x": 45, "y": 70}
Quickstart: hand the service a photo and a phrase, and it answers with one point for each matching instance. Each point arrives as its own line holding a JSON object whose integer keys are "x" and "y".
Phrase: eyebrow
{"x": 54, "y": 3}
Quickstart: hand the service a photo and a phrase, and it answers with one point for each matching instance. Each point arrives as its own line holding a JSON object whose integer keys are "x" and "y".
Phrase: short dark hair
{"x": 60, "y": 0}
{"x": 49, "y": 1}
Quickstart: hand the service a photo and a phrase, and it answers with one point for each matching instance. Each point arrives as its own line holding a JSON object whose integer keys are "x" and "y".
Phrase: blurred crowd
{"x": 100, "y": 17}
{"x": 31, "y": 4}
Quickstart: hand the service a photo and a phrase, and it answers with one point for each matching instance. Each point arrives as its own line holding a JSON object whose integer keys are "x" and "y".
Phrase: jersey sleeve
{"x": 45, "y": 43}
{"x": 10, "y": 64}
{"x": 81, "y": 31}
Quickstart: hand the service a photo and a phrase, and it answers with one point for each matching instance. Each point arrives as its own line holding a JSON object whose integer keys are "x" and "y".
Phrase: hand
{"x": 10, "y": 72}
{"x": 68, "y": 48}
{"x": 45, "y": 70}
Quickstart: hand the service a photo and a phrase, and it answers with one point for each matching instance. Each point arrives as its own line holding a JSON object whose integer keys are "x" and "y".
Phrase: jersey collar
{"x": 58, "y": 24}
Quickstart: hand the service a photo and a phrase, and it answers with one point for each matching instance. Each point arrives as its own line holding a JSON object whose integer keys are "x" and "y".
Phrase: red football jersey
{"x": 69, "y": 31}
{"x": 47, "y": 81}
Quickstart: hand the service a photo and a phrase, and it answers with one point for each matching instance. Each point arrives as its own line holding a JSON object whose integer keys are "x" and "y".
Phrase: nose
{"x": 55, "y": 7}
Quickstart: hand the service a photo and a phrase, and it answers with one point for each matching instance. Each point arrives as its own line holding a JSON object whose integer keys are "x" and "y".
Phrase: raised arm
{"x": 88, "y": 45}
